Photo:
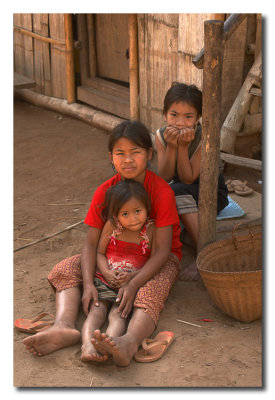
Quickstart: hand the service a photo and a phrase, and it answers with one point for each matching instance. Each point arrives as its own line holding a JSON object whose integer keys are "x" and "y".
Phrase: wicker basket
{"x": 231, "y": 270}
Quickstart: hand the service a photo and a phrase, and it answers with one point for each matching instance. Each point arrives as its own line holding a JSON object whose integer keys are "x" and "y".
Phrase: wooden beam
{"x": 211, "y": 121}
{"x": 69, "y": 43}
{"x": 133, "y": 66}
{"x": 230, "y": 25}
{"x": 241, "y": 161}
{"x": 37, "y": 36}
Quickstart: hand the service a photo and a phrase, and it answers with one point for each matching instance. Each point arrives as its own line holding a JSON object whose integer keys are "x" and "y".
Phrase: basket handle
{"x": 235, "y": 241}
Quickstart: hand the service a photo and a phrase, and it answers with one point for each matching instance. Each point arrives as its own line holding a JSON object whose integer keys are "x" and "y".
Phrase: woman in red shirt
{"x": 130, "y": 150}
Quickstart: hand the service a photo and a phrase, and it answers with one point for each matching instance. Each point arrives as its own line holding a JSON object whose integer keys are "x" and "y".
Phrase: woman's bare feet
{"x": 52, "y": 339}
{"x": 189, "y": 273}
{"x": 89, "y": 353}
{"x": 121, "y": 348}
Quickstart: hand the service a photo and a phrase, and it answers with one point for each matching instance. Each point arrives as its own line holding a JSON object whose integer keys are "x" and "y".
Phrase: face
{"x": 132, "y": 215}
{"x": 181, "y": 115}
{"x": 130, "y": 160}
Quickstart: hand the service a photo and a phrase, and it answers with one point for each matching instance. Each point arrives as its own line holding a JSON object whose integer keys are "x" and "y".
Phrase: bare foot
{"x": 52, "y": 339}
{"x": 189, "y": 273}
{"x": 121, "y": 348}
{"x": 89, "y": 353}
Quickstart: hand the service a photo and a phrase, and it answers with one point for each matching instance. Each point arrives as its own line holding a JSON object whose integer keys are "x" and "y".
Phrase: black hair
{"x": 135, "y": 131}
{"x": 182, "y": 92}
{"x": 122, "y": 192}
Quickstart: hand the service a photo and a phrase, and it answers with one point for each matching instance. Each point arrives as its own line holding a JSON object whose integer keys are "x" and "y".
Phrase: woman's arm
{"x": 88, "y": 266}
{"x": 188, "y": 169}
{"x": 167, "y": 156}
{"x": 162, "y": 249}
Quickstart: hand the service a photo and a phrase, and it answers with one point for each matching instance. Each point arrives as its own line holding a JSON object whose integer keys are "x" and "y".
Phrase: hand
{"x": 186, "y": 136}
{"x": 111, "y": 277}
{"x": 171, "y": 135}
{"x": 122, "y": 278}
{"x": 126, "y": 296}
{"x": 89, "y": 293}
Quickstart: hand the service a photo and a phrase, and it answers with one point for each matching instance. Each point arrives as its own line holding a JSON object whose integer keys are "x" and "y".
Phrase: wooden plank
{"x": 241, "y": 161}
{"x": 104, "y": 101}
{"x": 58, "y": 56}
{"x": 28, "y": 46}
{"x": 111, "y": 88}
{"x": 112, "y": 44}
{"x": 22, "y": 82}
{"x": 18, "y": 46}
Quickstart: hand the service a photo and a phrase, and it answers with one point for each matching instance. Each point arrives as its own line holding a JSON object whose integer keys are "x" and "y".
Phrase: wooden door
{"x": 104, "y": 62}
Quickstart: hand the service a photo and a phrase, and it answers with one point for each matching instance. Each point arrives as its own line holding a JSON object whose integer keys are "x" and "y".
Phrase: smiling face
{"x": 181, "y": 115}
{"x": 132, "y": 215}
{"x": 130, "y": 160}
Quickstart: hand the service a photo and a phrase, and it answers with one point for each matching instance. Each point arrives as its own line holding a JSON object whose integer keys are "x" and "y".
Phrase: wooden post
{"x": 69, "y": 43}
{"x": 133, "y": 67}
{"x": 211, "y": 121}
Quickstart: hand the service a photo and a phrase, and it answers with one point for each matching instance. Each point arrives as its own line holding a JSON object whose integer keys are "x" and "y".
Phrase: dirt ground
{"x": 58, "y": 163}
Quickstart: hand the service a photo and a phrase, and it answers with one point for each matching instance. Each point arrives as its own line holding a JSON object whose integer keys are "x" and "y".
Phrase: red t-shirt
{"x": 163, "y": 212}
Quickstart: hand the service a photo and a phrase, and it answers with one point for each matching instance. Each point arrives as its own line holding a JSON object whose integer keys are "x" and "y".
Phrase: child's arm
{"x": 188, "y": 169}
{"x": 167, "y": 156}
{"x": 102, "y": 264}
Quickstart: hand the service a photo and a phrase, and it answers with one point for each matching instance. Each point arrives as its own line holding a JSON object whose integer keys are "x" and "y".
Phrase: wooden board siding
{"x": 38, "y": 60}
{"x": 58, "y": 56}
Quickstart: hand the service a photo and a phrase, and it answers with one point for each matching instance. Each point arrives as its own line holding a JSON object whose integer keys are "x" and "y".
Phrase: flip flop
{"x": 239, "y": 187}
{"x": 153, "y": 349}
{"x": 34, "y": 325}
{"x": 243, "y": 189}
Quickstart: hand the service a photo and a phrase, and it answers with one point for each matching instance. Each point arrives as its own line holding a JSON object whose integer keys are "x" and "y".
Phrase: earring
{"x": 119, "y": 228}
{"x": 113, "y": 167}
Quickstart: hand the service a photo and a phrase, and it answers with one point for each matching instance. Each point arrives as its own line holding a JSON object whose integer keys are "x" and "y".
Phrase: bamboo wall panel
{"x": 233, "y": 68}
{"x": 158, "y": 44}
{"x": 58, "y": 56}
{"x": 19, "y": 51}
{"x": 42, "y": 55}
{"x": 190, "y": 42}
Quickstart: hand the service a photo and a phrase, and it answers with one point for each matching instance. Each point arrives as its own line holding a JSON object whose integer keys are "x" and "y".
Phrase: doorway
{"x": 104, "y": 62}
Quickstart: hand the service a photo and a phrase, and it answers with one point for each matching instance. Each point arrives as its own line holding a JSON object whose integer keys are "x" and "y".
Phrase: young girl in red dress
{"x": 144, "y": 295}
{"x": 125, "y": 244}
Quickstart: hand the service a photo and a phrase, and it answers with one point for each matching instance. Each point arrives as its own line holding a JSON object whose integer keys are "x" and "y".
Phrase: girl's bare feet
{"x": 52, "y": 339}
{"x": 121, "y": 348}
{"x": 189, "y": 273}
{"x": 89, "y": 353}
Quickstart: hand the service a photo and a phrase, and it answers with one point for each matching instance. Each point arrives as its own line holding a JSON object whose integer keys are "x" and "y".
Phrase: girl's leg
{"x": 94, "y": 320}
{"x": 117, "y": 325}
{"x": 63, "y": 332}
{"x": 191, "y": 224}
{"x": 123, "y": 348}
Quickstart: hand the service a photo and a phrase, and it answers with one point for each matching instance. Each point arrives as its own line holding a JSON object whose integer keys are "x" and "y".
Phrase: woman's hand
{"x": 171, "y": 135}
{"x": 126, "y": 296}
{"x": 89, "y": 293}
{"x": 186, "y": 135}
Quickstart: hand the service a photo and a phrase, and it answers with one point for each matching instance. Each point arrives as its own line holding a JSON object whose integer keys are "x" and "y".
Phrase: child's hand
{"x": 186, "y": 136}
{"x": 111, "y": 277}
{"x": 121, "y": 279}
{"x": 171, "y": 135}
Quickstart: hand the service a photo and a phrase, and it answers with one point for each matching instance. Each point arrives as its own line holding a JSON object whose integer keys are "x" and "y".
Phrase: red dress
{"x": 126, "y": 256}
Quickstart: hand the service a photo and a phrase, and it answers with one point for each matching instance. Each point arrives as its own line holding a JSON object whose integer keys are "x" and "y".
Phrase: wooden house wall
{"x": 167, "y": 44}
{"x": 38, "y": 60}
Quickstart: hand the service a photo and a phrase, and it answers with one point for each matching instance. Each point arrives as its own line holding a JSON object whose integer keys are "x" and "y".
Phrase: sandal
{"x": 153, "y": 349}
{"x": 239, "y": 187}
{"x": 34, "y": 325}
